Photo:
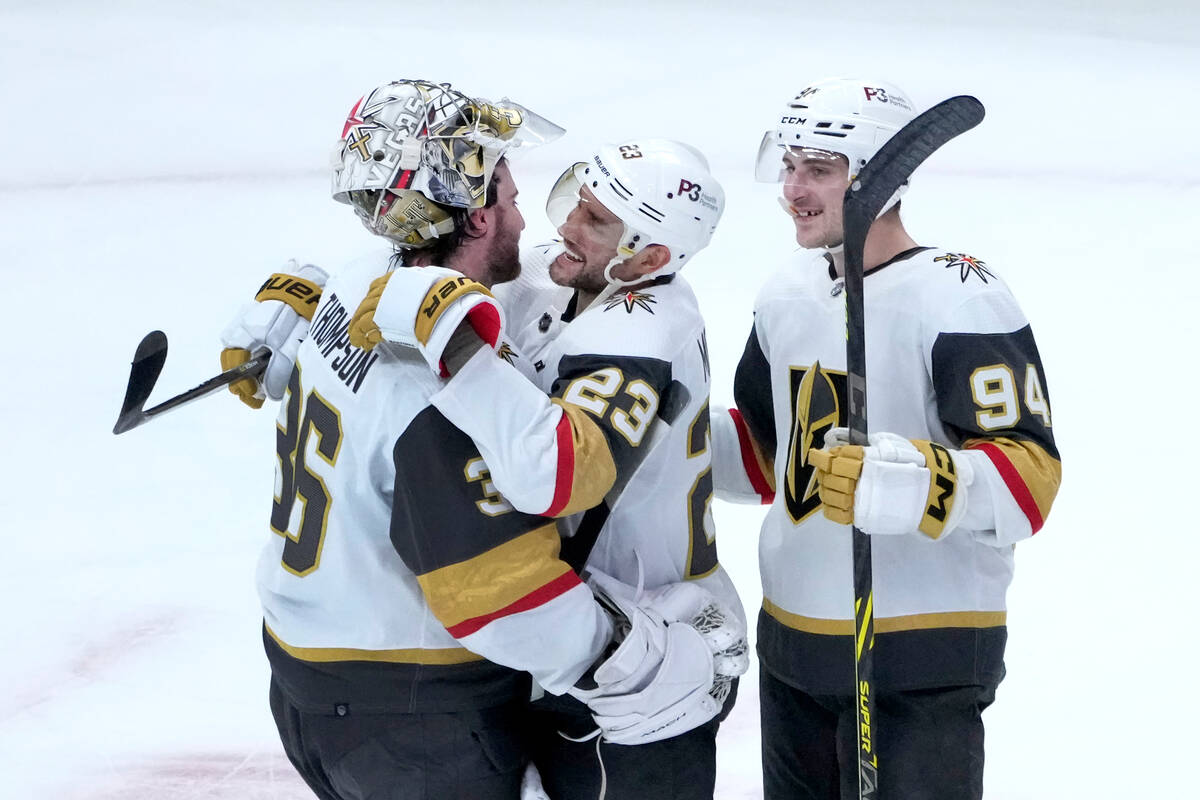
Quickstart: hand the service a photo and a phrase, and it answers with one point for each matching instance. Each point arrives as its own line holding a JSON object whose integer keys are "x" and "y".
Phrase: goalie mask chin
{"x": 406, "y": 217}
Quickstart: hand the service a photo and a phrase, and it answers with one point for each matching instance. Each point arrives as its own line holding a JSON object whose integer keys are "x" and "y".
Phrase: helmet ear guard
{"x": 411, "y": 149}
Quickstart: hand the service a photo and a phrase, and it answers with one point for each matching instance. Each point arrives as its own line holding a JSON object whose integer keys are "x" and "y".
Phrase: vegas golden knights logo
{"x": 818, "y": 405}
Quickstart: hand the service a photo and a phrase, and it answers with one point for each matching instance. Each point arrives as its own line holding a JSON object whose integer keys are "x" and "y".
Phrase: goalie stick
{"x": 148, "y": 362}
{"x": 883, "y": 175}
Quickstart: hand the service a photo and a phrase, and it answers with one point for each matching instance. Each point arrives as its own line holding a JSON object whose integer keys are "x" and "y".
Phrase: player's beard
{"x": 504, "y": 259}
{"x": 590, "y": 282}
{"x": 575, "y": 275}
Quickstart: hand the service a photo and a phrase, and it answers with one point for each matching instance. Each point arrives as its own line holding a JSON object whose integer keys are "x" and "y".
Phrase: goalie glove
{"x": 277, "y": 319}
{"x": 678, "y": 651}
{"x": 893, "y": 486}
{"x": 441, "y": 313}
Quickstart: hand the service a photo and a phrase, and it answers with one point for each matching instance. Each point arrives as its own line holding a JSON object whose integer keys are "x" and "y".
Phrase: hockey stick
{"x": 148, "y": 362}
{"x": 874, "y": 186}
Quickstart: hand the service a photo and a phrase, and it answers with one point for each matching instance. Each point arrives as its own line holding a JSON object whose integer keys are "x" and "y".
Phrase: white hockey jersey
{"x": 395, "y": 567}
{"x": 951, "y": 359}
{"x": 620, "y": 450}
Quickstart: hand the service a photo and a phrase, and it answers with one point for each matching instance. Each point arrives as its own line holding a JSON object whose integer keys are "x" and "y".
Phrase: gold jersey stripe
{"x": 494, "y": 579}
{"x": 412, "y": 655}
{"x": 911, "y": 622}
{"x": 1040, "y": 472}
{"x": 766, "y": 463}
{"x": 594, "y": 471}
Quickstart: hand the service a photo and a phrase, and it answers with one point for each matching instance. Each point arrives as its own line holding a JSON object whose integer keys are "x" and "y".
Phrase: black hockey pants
{"x": 467, "y": 754}
{"x": 930, "y": 743}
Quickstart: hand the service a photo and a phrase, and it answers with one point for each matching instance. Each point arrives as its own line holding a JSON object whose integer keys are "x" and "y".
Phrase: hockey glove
{"x": 277, "y": 320}
{"x": 674, "y": 664}
{"x": 445, "y": 315}
{"x": 893, "y": 486}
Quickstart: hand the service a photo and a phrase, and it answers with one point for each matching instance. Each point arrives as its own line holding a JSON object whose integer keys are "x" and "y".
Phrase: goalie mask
{"x": 841, "y": 116}
{"x": 661, "y": 191}
{"x": 411, "y": 149}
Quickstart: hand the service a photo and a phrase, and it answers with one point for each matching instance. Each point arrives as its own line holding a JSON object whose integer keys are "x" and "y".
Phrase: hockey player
{"x": 621, "y": 353}
{"x": 962, "y": 467}
{"x": 395, "y": 567}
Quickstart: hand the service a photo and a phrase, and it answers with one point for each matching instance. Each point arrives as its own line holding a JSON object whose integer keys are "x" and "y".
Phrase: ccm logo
{"x": 792, "y": 120}
{"x": 689, "y": 189}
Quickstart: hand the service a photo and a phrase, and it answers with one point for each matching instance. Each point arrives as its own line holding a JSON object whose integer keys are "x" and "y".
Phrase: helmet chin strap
{"x": 623, "y": 254}
{"x": 614, "y": 284}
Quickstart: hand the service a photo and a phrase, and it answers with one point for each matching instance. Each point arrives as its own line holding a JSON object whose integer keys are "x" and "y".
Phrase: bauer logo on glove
{"x": 440, "y": 298}
{"x": 441, "y": 313}
{"x": 302, "y": 295}
{"x": 277, "y": 320}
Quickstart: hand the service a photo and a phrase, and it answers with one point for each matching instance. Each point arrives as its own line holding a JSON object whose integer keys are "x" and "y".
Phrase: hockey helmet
{"x": 846, "y": 116}
{"x": 660, "y": 189}
{"x": 411, "y": 149}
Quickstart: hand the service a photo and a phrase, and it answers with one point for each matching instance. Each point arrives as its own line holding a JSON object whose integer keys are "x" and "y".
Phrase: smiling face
{"x": 590, "y": 235}
{"x": 814, "y": 185}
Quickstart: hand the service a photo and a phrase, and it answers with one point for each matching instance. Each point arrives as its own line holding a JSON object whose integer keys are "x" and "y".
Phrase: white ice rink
{"x": 158, "y": 159}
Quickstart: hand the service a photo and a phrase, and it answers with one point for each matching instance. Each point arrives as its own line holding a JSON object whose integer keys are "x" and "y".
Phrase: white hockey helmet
{"x": 846, "y": 116}
{"x": 660, "y": 189}
{"x": 411, "y": 149}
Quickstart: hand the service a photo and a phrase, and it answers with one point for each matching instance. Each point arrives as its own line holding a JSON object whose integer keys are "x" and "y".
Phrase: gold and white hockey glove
{"x": 678, "y": 652}
{"x": 277, "y": 319}
{"x": 893, "y": 486}
{"x": 441, "y": 313}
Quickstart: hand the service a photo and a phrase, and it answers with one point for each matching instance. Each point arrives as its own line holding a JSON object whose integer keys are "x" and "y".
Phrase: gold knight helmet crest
{"x": 817, "y": 407}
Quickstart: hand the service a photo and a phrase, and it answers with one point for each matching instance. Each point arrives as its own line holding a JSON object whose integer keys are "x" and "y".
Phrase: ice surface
{"x": 159, "y": 159}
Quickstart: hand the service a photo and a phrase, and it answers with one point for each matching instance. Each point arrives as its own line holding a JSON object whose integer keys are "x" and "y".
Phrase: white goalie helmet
{"x": 411, "y": 149}
{"x": 847, "y": 116}
{"x": 660, "y": 189}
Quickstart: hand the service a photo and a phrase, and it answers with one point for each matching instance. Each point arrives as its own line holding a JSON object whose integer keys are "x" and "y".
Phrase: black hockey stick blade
{"x": 900, "y": 156}
{"x": 148, "y": 362}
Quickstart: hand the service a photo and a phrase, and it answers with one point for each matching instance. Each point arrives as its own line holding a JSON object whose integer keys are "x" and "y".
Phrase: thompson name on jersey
{"x": 397, "y": 567}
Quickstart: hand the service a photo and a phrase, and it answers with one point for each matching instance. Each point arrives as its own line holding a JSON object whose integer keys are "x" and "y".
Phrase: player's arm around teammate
{"x": 403, "y": 600}
{"x": 629, "y": 347}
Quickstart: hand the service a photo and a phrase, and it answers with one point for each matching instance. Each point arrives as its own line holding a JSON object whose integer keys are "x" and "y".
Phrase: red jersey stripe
{"x": 565, "y": 476}
{"x": 750, "y": 459}
{"x": 1016, "y": 484}
{"x": 560, "y": 585}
